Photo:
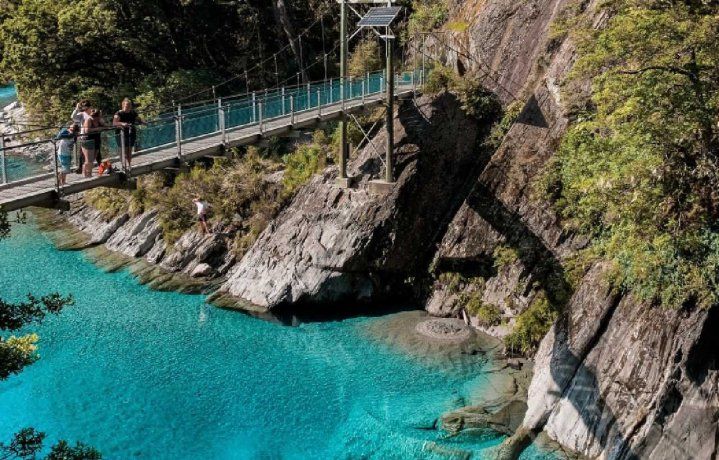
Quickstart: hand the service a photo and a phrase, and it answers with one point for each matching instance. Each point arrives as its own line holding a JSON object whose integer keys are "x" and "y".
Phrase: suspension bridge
{"x": 209, "y": 130}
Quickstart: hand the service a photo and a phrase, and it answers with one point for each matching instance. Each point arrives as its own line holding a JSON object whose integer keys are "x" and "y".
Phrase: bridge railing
{"x": 207, "y": 118}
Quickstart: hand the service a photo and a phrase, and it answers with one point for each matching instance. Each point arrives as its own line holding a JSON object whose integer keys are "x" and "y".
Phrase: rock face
{"x": 615, "y": 377}
{"x": 335, "y": 245}
{"x": 139, "y": 237}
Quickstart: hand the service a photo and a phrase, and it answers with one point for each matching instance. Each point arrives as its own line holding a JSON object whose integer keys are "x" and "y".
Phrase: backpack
{"x": 105, "y": 168}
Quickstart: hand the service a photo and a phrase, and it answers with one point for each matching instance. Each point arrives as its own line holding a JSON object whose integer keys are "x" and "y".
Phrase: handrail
{"x": 227, "y": 114}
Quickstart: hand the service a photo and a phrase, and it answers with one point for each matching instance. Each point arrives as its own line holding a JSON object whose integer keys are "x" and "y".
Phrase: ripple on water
{"x": 163, "y": 375}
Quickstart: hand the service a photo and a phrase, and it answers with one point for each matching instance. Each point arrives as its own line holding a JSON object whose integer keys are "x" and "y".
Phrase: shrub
{"x": 504, "y": 255}
{"x": 488, "y": 314}
{"x": 427, "y": 15}
{"x": 110, "y": 202}
{"x": 531, "y": 326}
{"x": 366, "y": 57}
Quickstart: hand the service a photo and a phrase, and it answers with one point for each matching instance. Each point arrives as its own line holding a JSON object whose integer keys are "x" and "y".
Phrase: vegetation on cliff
{"x": 59, "y": 51}
{"x": 638, "y": 171}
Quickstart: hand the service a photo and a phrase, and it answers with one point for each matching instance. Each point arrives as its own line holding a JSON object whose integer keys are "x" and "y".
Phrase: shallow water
{"x": 138, "y": 373}
{"x": 7, "y": 95}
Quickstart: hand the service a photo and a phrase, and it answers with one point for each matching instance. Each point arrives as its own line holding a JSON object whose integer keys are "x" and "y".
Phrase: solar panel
{"x": 380, "y": 16}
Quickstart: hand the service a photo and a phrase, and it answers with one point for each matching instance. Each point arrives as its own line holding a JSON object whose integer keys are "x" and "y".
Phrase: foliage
{"x": 531, "y": 326}
{"x": 504, "y": 255}
{"x": 365, "y": 58}
{"x": 27, "y": 443}
{"x": 477, "y": 101}
{"x": 60, "y": 51}
{"x": 427, "y": 15}
{"x": 501, "y": 128}
{"x": 638, "y": 172}
{"x": 111, "y": 202}
{"x": 235, "y": 190}
{"x": 301, "y": 165}
{"x": 488, "y": 314}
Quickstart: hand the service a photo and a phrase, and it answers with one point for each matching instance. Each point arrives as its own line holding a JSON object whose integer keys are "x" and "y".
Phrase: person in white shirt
{"x": 202, "y": 214}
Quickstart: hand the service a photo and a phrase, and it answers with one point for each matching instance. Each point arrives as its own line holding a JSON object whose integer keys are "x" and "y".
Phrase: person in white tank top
{"x": 202, "y": 214}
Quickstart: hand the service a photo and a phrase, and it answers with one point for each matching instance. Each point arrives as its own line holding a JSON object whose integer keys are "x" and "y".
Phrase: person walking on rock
{"x": 202, "y": 214}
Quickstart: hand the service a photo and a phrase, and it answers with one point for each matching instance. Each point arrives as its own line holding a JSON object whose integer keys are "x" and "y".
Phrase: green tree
{"x": 638, "y": 170}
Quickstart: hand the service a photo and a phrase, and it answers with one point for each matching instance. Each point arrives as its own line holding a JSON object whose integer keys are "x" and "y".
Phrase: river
{"x": 140, "y": 373}
{"x": 7, "y": 95}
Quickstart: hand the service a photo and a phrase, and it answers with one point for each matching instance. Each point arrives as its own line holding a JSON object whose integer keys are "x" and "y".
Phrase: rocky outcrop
{"x": 195, "y": 263}
{"x": 336, "y": 245}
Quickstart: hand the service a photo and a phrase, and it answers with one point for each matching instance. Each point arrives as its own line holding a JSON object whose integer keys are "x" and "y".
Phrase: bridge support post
{"x": 55, "y": 162}
{"x": 343, "y": 154}
{"x": 292, "y": 110}
{"x": 261, "y": 117}
{"x": 254, "y": 106}
{"x": 3, "y": 166}
{"x": 284, "y": 111}
{"x": 221, "y": 120}
{"x": 178, "y": 132}
{"x": 319, "y": 103}
{"x": 309, "y": 96}
{"x": 123, "y": 151}
{"x": 389, "y": 172}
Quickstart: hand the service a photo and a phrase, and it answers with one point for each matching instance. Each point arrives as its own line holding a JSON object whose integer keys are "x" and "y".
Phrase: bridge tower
{"x": 376, "y": 18}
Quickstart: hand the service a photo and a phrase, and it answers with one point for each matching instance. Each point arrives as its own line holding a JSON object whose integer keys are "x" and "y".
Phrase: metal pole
{"x": 3, "y": 166}
{"x": 178, "y": 132}
{"x": 389, "y": 173}
{"x": 424, "y": 59}
{"x": 292, "y": 109}
{"x": 309, "y": 97}
{"x": 331, "y": 92}
{"x": 261, "y": 117}
{"x": 123, "y": 154}
{"x": 283, "y": 101}
{"x": 57, "y": 169}
{"x": 343, "y": 80}
{"x": 221, "y": 120}
{"x": 319, "y": 102}
{"x": 254, "y": 106}
{"x": 414, "y": 68}
{"x": 364, "y": 90}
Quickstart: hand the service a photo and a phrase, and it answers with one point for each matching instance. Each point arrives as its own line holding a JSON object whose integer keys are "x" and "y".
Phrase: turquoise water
{"x": 138, "y": 373}
{"x": 7, "y": 95}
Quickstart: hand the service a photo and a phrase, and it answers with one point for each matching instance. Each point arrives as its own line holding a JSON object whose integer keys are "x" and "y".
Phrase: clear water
{"x": 7, "y": 95}
{"x": 138, "y": 373}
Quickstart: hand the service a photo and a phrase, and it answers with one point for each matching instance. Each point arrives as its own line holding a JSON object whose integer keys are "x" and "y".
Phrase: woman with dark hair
{"x": 126, "y": 118}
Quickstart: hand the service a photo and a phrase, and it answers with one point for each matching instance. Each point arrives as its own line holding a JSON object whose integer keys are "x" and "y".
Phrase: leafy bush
{"x": 427, "y": 15}
{"x": 366, "y": 57}
{"x": 531, "y": 326}
{"x": 110, "y": 202}
{"x": 500, "y": 129}
{"x": 504, "y": 255}
{"x": 301, "y": 165}
{"x": 488, "y": 314}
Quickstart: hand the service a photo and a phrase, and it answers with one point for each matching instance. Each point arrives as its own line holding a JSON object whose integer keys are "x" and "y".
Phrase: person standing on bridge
{"x": 126, "y": 118}
{"x": 91, "y": 141}
{"x": 79, "y": 115}
{"x": 202, "y": 214}
{"x": 66, "y": 144}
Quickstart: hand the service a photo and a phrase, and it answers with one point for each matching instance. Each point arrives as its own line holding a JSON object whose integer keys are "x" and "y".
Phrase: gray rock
{"x": 332, "y": 245}
{"x": 202, "y": 270}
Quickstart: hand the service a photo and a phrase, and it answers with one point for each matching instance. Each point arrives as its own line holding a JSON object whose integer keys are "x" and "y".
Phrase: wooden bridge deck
{"x": 41, "y": 190}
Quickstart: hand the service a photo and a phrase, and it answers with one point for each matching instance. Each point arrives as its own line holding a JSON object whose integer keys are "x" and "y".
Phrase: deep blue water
{"x": 138, "y": 373}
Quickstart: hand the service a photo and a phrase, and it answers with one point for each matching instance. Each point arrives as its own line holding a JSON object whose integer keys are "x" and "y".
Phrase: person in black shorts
{"x": 126, "y": 119}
